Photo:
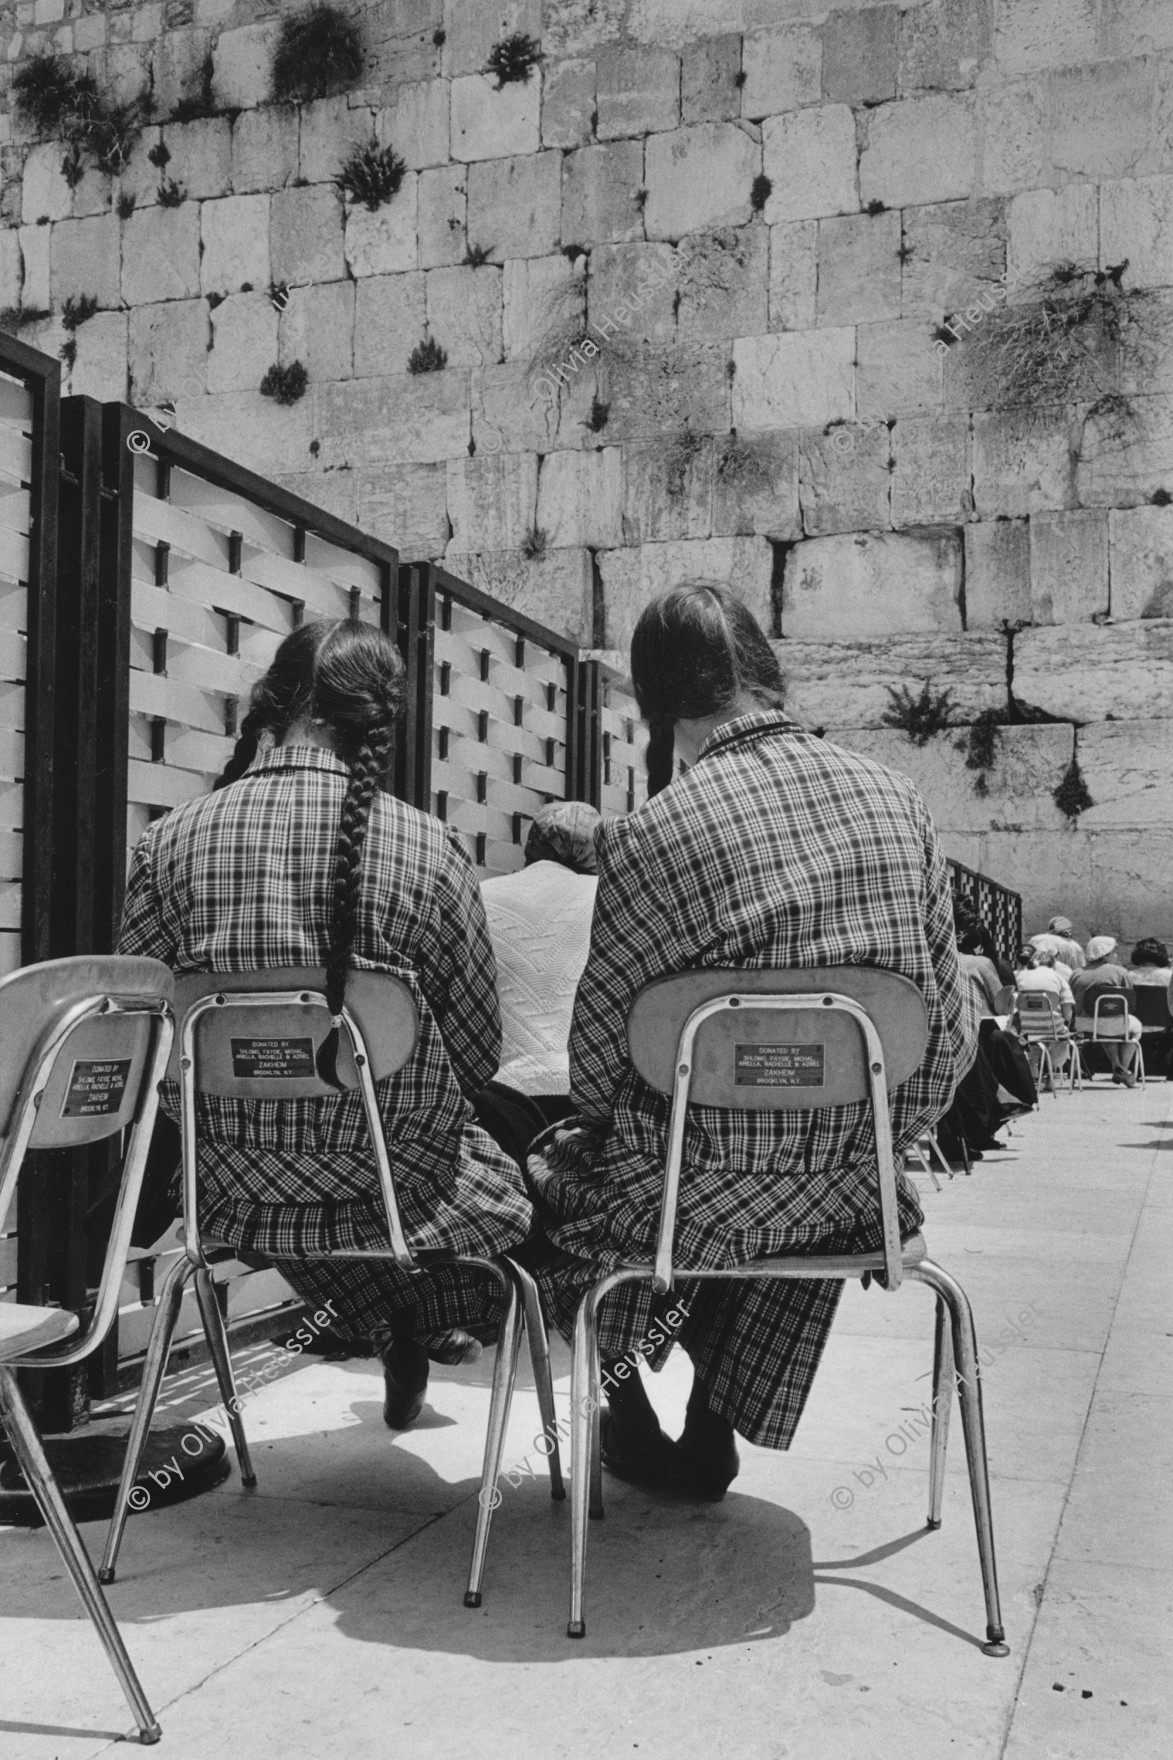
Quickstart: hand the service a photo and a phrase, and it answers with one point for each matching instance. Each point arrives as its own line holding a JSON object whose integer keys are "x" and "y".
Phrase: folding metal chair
{"x": 783, "y": 1041}
{"x": 86, "y": 1043}
{"x": 1044, "y": 1032}
{"x": 258, "y": 1040}
{"x": 1109, "y": 1020}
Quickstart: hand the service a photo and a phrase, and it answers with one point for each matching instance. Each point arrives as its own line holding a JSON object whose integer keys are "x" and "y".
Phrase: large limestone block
{"x": 577, "y": 27}
{"x": 723, "y": 282}
{"x": 755, "y": 486}
{"x": 168, "y": 350}
{"x": 244, "y": 342}
{"x": 329, "y": 129}
{"x": 442, "y": 199}
{"x": 335, "y": 491}
{"x": 1088, "y": 672}
{"x": 667, "y": 489}
{"x": 401, "y": 41}
{"x": 492, "y": 501}
{"x": 1128, "y": 766}
{"x": 568, "y": 103}
{"x": 955, "y": 252}
{"x": 235, "y": 237}
{"x": 241, "y": 65}
{"x": 408, "y": 419}
{"x": 1128, "y": 895}
{"x": 1100, "y": 118}
{"x": 846, "y": 684}
{"x": 633, "y": 577}
{"x": 899, "y": 370}
{"x": 708, "y": 80}
{"x": 634, "y": 285}
{"x": 793, "y": 380}
{"x": 1014, "y": 122}
{"x": 35, "y": 294}
{"x": 161, "y": 254}
{"x": 599, "y": 186}
{"x": 1135, "y": 27}
{"x": 1069, "y": 566}
{"x": 809, "y": 157}
{"x": 681, "y": 21}
{"x": 509, "y": 416}
{"x": 1048, "y": 226}
{"x": 638, "y": 92}
{"x": 408, "y": 506}
{"x": 492, "y": 124}
{"x": 783, "y": 70}
{"x": 390, "y": 320}
{"x": 178, "y": 60}
{"x": 1052, "y": 871}
{"x": 383, "y": 241}
{"x": 997, "y": 573}
{"x": 1141, "y": 547}
{"x": 1038, "y": 34}
{"x": 844, "y": 490}
{"x": 859, "y": 269}
{"x": 872, "y": 584}
{"x": 698, "y": 178}
{"x": 555, "y": 588}
{"x": 100, "y": 369}
{"x": 1121, "y": 467}
{"x": 201, "y": 156}
{"x": 653, "y": 391}
{"x": 85, "y": 258}
{"x": 305, "y": 234}
{"x": 416, "y": 123}
{"x": 464, "y": 313}
{"x": 270, "y": 438}
{"x": 1136, "y": 221}
{"x": 931, "y": 475}
{"x": 543, "y": 297}
{"x": 580, "y": 498}
{"x": 943, "y": 47}
{"x": 472, "y": 28}
{"x": 317, "y": 328}
{"x": 514, "y": 205}
{"x": 1029, "y": 764}
{"x": 11, "y": 268}
{"x": 860, "y": 55}
{"x": 920, "y": 150}
{"x": 794, "y": 274}
{"x": 1021, "y": 463}
{"x": 264, "y": 149}
{"x": 45, "y": 195}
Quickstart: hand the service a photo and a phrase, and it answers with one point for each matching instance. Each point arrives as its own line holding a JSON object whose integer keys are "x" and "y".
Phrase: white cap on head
{"x": 1100, "y": 946}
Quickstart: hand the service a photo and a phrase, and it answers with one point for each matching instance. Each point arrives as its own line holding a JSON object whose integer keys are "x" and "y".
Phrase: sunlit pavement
{"x": 810, "y": 1614}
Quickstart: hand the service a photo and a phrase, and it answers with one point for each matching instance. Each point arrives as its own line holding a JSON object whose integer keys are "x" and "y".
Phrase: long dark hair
{"x": 349, "y": 678}
{"x": 695, "y": 650}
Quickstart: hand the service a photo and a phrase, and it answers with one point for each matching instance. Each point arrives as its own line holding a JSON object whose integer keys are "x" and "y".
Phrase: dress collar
{"x": 296, "y": 758}
{"x": 745, "y": 727}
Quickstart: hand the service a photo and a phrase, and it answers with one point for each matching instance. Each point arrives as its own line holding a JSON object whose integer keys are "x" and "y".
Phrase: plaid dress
{"x": 776, "y": 849}
{"x": 241, "y": 880}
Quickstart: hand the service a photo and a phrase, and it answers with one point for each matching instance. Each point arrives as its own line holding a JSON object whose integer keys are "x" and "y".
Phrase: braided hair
{"x": 695, "y": 650}
{"x": 348, "y": 678}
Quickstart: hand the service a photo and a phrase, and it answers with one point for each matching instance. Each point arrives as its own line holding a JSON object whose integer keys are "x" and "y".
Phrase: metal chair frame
{"x": 522, "y": 1309}
{"x": 75, "y": 1345}
{"x": 955, "y": 1341}
{"x": 1098, "y": 1037}
{"x": 1037, "y": 1036}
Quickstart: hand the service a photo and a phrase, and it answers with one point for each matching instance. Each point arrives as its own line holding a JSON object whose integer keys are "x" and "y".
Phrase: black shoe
{"x": 405, "y": 1381}
{"x": 654, "y": 1464}
{"x": 709, "y": 1470}
{"x": 452, "y": 1348}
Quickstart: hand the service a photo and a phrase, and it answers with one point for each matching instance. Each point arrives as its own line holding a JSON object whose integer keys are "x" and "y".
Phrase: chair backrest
{"x": 779, "y": 1041}
{"x": 1150, "y": 1005}
{"x": 1039, "y": 1014}
{"x": 1110, "y": 1015}
{"x": 85, "y": 1043}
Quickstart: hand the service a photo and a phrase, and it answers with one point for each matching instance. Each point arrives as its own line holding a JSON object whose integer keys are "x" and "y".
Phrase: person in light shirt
{"x": 1058, "y": 938}
{"x": 1105, "y": 976}
{"x": 1039, "y": 970}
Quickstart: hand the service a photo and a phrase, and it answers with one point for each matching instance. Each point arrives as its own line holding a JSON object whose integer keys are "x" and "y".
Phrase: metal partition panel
{"x": 623, "y": 744}
{"x": 999, "y": 909}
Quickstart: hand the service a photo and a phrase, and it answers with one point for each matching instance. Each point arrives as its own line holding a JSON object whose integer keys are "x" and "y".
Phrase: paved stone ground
{"x": 808, "y": 1615}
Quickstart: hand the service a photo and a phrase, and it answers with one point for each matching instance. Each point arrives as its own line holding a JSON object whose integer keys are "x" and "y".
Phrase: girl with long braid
{"x": 298, "y": 858}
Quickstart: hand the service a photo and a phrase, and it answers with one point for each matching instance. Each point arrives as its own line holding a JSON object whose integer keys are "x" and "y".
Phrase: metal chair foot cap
{"x": 106, "y": 1574}
{"x": 248, "y": 1479}
{"x": 933, "y": 1525}
{"x": 472, "y": 1597}
{"x": 576, "y": 1628}
{"x": 596, "y": 1515}
{"x": 148, "y": 1737}
{"x": 559, "y": 1495}
{"x": 998, "y": 1649}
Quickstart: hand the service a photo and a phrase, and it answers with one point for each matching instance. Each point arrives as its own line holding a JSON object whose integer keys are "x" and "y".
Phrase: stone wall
{"x": 719, "y": 241}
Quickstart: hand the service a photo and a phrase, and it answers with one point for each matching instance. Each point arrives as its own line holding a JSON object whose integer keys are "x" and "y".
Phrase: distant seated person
{"x": 1150, "y": 963}
{"x": 999, "y": 1083}
{"x": 540, "y": 927}
{"x": 1037, "y": 971}
{"x": 1104, "y": 976}
{"x": 1058, "y": 938}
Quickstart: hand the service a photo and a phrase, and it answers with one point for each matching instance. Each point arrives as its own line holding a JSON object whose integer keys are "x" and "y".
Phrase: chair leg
{"x": 26, "y": 1445}
{"x": 504, "y": 1374}
{"x": 154, "y": 1369}
{"x": 925, "y": 1164}
{"x": 935, "y": 1149}
{"x": 965, "y": 1358}
{"x": 586, "y": 1493}
{"x": 539, "y": 1356}
{"x": 942, "y": 1406}
{"x": 217, "y": 1337}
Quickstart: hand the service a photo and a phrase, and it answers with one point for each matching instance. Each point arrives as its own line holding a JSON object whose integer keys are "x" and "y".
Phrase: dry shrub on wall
{"x": 370, "y": 174}
{"x": 55, "y": 100}
{"x": 318, "y": 54}
{"x": 920, "y": 717}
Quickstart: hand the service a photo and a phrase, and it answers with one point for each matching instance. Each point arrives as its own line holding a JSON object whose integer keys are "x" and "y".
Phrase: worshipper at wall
{"x": 999, "y": 1084}
{"x": 1058, "y": 938}
{"x": 775, "y": 849}
{"x": 1038, "y": 970}
{"x": 540, "y": 926}
{"x": 298, "y": 859}
{"x": 1102, "y": 976}
{"x": 1150, "y": 963}
{"x": 1151, "y": 971}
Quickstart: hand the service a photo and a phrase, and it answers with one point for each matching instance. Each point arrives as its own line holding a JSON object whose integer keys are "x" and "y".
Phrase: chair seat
{"x": 24, "y": 1328}
{"x": 912, "y": 1252}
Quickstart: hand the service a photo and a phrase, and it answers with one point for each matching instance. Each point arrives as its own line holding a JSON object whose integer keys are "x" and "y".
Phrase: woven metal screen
{"x": 999, "y": 909}
{"x": 623, "y": 739}
{"x": 16, "y": 448}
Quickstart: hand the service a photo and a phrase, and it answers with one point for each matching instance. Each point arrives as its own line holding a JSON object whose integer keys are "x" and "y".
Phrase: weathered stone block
{"x": 847, "y": 684}
{"x": 85, "y": 257}
{"x": 508, "y": 415}
{"x": 653, "y": 391}
{"x": 944, "y": 46}
{"x": 244, "y": 342}
{"x": 723, "y": 283}
{"x": 1123, "y": 465}
{"x": 681, "y": 21}
{"x": 1039, "y": 34}
{"x": 235, "y": 237}
{"x": 35, "y": 294}
{"x": 1015, "y": 125}
{"x": 1141, "y": 547}
{"x": 1021, "y": 463}
{"x": 268, "y": 437}
{"x": 264, "y": 148}
{"x": 1100, "y": 117}
{"x": 381, "y": 241}
{"x": 390, "y": 319}
{"x": 956, "y": 252}
{"x": 783, "y": 69}
{"x": 543, "y": 298}
{"x": 168, "y": 350}
{"x": 241, "y": 65}
{"x": 464, "y": 313}
{"x": 1135, "y": 27}
{"x": 872, "y": 584}
{"x": 336, "y": 493}
{"x": 1136, "y": 222}
{"x": 632, "y": 578}
{"x": 407, "y": 505}
{"x": 100, "y": 368}
{"x": 177, "y": 65}
{"x": 400, "y": 41}
{"x": 580, "y": 498}
{"x": 201, "y": 156}
{"x": 1048, "y": 226}
{"x": 11, "y": 267}
{"x": 416, "y": 123}
{"x": 1088, "y": 672}
{"x": 859, "y": 55}
{"x": 413, "y": 419}
{"x": 755, "y": 486}
{"x": 492, "y": 124}
{"x": 633, "y": 285}
{"x": 317, "y": 328}
{"x": 440, "y": 220}
{"x": 997, "y": 573}
{"x": 794, "y": 275}
{"x": 1127, "y": 766}
{"x": 842, "y": 489}
{"x": 555, "y": 588}
{"x": 708, "y": 80}
{"x": 305, "y": 234}
{"x": 599, "y": 187}
{"x": 578, "y": 27}
{"x": 931, "y": 478}
{"x": 859, "y": 269}
{"x": 161, "y": 254}
{"x": 45, "y": 195}
{"x": 329, "y": 128}
{"x": 638, "y": 92}
{"x": 514, "y": 205}
{"x": 1069, "y": 566}
{"x": 568, "y": 104}
{"x": 492, "y": 501}
{"x": 1030, "y": 762}
{"x": 473, "y": 27}
{"x": 794, "y": 380}
{"x": 919, "y": 150}
{"x": 809, "y": 157}
{"x": 898, "y": 368}
{"x": 699, "y": 178}
{"x": 667, "y": 489}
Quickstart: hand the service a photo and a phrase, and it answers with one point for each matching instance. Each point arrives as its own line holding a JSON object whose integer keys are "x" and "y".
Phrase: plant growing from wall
{"x": 126, "y": 204}
{"x": 14, "y": 319}
{"x": 171, "y": 194}
{"x": 744, "y": 464}
{"x": 920, "y": 717}
{"x": 199, "y": 102}
{"x": 599, "y": 416}
{"x": 981, "y": 746}
{"x": 679, "y": 459}
{"x": 1073, "y": 797}
{"x": 513, "y": 59}
{"x": 54, "y": 100}
{"x": 370, "y": 175}
{"x": 318, "y": 53}
{"x": 285, "y": 384}
{"x": 78, "y": 309}
{"x": 477, "y": 255}
{"x": 760, "y": 192}
{"x": 535, "y": 542}
{"x": 427, "y": 357}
